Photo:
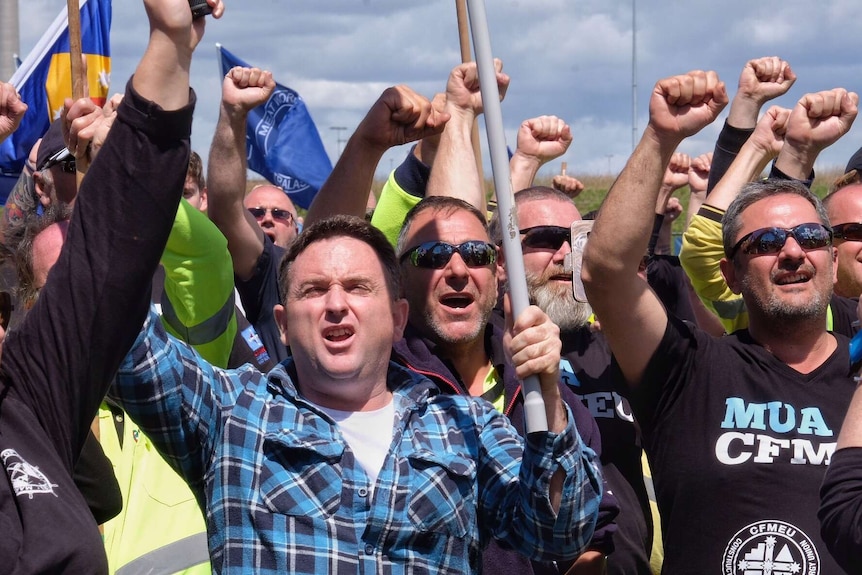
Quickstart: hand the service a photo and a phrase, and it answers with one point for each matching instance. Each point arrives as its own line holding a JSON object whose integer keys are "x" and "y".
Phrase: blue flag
{"x": 44, "y": 80}
{"x": 282, "y": 141}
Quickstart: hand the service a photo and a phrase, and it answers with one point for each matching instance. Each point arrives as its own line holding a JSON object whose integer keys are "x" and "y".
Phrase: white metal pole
{"x": 534, "y": 406}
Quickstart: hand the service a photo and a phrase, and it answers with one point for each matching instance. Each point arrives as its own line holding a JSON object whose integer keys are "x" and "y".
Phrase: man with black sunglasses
{"x": 793, "y": 139}
{"x": 449, "y": 273}
{"x": 739, "y": 430}
{"x": 54, "y": 177}
{"x": 545, "y": 216}
{"x": 844, "y": 206}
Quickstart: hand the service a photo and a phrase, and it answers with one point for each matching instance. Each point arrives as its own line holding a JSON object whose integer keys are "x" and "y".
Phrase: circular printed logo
{"x": 770, "y": 548}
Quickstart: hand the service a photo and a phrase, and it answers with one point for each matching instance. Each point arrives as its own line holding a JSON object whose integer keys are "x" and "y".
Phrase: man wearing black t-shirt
{"x": 545, "y": 216}
{"x": 738, "y": 430}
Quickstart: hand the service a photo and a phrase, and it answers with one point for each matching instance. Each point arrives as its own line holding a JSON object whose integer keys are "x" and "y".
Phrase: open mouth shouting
{"x": 338, "y": 334}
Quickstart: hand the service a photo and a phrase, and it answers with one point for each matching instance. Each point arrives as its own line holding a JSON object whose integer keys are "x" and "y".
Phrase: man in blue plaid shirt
{"x": 339, "y": 461}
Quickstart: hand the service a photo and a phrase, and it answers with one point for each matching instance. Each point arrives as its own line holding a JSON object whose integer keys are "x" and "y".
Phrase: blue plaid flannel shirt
{"x": 284, "y": 494}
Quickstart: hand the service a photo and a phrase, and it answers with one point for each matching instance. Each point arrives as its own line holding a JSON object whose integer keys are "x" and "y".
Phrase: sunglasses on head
{"x": 546, "y": 237}
{"x": 62, "y": 158}
{"x": 277, "y": 213}
{"x": 851, "y": 232}
{"x": 435, "y": 255}
{"x": 809, "y": 236}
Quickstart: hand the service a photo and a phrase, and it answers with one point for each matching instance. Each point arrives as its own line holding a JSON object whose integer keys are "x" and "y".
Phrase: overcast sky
{"x": 570, "y": 58}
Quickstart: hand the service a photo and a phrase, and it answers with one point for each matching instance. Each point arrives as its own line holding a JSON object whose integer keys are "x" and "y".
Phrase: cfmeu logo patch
{"x": 770, "y": 548}
{"x": 26, "y": 479}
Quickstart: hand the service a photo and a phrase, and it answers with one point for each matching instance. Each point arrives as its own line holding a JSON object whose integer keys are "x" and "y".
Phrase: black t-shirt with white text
{"x": 738, "y": 443}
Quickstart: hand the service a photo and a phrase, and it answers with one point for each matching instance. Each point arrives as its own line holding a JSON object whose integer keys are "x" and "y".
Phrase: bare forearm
{"x": 347, "y": 187}
{"x": 695, "y": 200}
{"x": 747, "y": 165}
{"x": 162, "y": 76}
{"x": 743, "y": 112}
{"x": 226, "y": 179}
{"x": 226, "y": 170}
{"x": 454, "y": 172}
{"x": 622, "y": 231}
{"x": 523, "y": 171}
{"x": 796, "y": 163}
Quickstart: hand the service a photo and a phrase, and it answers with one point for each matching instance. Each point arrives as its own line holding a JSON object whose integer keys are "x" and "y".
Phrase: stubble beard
{"x": 782, "y": 311}
{"x": 440, "y": 333}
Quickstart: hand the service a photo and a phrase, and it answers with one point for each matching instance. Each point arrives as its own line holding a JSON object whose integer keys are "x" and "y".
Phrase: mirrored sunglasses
{"x": 277, "y": 213}
{"x": 811, "y": 236}
{"x": 435, "y": 255}
{"x": 546, "y": 237}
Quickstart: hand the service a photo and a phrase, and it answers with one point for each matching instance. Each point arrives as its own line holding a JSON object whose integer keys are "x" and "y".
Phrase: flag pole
{"x": 466, "y": 56}
{"x": 75, "y": 49}
{"x": 534, "y": 405}
{"x": 77, "y": 66}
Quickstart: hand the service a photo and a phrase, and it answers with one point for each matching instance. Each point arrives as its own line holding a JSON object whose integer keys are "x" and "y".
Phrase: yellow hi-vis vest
{"x": 161, "y": 528}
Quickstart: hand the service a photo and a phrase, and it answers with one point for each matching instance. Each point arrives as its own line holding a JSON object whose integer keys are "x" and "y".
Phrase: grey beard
{"x": 559, "y": 303}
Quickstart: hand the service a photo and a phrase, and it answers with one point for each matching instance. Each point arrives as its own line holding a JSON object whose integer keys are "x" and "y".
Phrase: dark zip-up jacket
{"x": 419, "y": 354}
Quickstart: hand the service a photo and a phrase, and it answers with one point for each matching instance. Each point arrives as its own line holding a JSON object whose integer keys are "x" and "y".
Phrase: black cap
{"x": 52, "y": 150}
{"x": 855, "y": 162}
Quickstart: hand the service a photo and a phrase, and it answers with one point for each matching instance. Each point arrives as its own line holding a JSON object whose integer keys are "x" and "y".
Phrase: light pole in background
{"x": 338, "y": 140}
{"x": 634, "y": 76}
{"x": 9, "y": 40}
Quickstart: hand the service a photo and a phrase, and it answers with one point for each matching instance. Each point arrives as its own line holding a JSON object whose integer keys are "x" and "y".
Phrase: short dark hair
{"x": 196, "y": 170}
{"x": 534, "y": 193}
{"x": 348, "y": 227}
{"x": 752, "y": 193}
{"x": 444, "y": 204}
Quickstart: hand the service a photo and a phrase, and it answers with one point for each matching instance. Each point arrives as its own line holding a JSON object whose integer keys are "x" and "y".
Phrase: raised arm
{"x": 540, "y": 140}
{"x": 12, "y": 109}
{"x": 243, "y": 89}
{"x": 97, "y": 294}
{"x": 399, "y": 116}
{"x": 454, "y": 172}
{"x": 632, "y": 317}
{"x": 760, "y": 81}
{"x": 675, "y": 177}
{"x": 764, "y": 145}
{"x": 817, "y": 121}
{"x": 698, "y": 178}
{"x": 162, "y": 76}
{"x": 702, "y": 248}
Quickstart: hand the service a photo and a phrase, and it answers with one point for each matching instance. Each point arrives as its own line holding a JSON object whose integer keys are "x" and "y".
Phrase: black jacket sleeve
{"x": 65, "y": 353}
{"x": 841, "y": 508}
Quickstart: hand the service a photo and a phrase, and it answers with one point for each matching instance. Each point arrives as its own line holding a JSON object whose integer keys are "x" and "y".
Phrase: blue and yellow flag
{"x": 44, "y": 80}
{"x": 282, "y": 142}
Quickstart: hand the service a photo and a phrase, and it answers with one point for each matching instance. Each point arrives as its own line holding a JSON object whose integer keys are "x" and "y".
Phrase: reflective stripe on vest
{"x": 170, "y": 558}
{"x": 205, "y": 331}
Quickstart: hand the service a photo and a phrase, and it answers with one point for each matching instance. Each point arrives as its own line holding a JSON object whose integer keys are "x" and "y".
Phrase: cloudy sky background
{"x": 570, "y": 58}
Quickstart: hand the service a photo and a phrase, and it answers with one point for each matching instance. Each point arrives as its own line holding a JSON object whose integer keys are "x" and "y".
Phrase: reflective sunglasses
{"x": 435, "y": 255}
{"x": 809, "y": 236}
{"x": 277, "y": 213}
{"x": 63, "y": 158}
{"x": 68, "y": 166}
{"x": 546, "y": 237}
{"x": 851, "y": 232}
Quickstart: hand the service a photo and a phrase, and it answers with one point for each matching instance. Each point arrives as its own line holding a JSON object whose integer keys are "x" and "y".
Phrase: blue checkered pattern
{"x": 284, "y": 494}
